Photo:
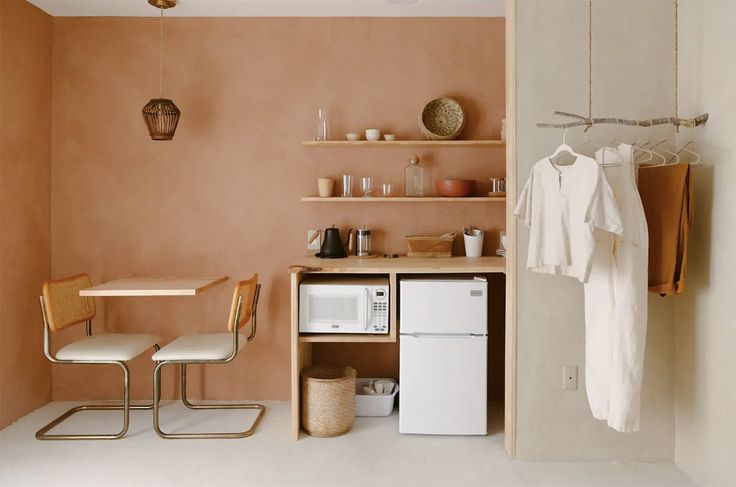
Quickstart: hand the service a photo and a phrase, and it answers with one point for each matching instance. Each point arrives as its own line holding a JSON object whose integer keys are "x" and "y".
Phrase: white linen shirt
{"x": 562, "y": 205}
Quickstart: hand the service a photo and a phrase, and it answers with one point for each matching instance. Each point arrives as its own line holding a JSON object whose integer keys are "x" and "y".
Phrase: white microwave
{"x": 344, "y": 305}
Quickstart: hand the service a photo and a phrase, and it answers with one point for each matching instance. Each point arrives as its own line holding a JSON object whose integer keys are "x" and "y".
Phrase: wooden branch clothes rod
{"x": 589, "y": 122}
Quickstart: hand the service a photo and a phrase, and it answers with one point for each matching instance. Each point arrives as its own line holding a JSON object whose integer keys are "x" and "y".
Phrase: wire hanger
{"x": 652, "y": 154}
{"x": 588, "y": 140}
{"x": 563, "y": 147}
{"x": 673, "y": 155}
{"x": 684, "y": 148}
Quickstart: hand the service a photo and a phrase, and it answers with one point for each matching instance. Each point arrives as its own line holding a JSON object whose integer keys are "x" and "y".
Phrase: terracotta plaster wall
{"x": 25, "y": 157}
{"x": 223, "y": 196}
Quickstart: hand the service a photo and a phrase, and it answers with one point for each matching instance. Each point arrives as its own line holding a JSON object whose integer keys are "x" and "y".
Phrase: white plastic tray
{"x": 373, "y": 404}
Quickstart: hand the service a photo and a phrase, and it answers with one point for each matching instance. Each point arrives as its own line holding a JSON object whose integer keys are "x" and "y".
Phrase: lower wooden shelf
{"x": 345, "y": 338}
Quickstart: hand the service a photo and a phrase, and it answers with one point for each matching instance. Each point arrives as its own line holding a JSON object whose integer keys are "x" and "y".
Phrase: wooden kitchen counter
{"x": 401, "y": 265}
{"x": 301, "y": 344}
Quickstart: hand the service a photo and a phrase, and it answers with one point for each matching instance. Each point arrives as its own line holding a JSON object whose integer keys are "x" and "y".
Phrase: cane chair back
{"x": 248, "y": 289}
{"x": 63, "y": 304}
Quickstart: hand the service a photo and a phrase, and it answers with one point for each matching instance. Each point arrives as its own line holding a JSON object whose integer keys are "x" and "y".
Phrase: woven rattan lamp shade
{"x": 161, "y": 116}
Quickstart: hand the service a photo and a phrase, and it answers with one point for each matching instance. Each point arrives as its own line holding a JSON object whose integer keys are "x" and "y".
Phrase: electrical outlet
{"x": 570, "y": 377}
{"x": 317, "y": 242}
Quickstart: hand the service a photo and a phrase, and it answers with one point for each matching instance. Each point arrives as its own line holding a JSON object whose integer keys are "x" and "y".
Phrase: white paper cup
{"x": 325, "y": 187}
{"x": 474, "y": 244}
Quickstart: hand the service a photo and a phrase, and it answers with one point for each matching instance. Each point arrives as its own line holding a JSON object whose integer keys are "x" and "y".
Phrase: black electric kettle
{"x": 332, "y": 246}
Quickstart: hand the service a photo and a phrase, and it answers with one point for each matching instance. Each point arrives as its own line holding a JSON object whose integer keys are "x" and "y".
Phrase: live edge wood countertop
{"x": 402, "y": 265}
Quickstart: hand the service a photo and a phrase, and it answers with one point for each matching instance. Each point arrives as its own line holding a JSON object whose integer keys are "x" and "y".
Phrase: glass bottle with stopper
{"x": 414, "y": 178}
{"x": 323, "y": 126}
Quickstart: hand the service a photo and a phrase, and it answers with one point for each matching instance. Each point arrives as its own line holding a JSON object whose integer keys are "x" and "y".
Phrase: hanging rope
{"x": 589, "y": 121}
{"x": 161, "y": 43}
{"x": 677, "y": 62}
{"x": 590, "y": 59}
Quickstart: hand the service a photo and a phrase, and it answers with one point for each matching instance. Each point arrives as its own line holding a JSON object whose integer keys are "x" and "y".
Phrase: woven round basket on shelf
{"x": 442, "y": 119}
{"x": 328, "y": 399}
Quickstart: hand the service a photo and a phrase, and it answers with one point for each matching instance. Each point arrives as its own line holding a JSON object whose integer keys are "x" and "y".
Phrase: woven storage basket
{"x": 442, "y": 119}
{"x": 328, "y": 399}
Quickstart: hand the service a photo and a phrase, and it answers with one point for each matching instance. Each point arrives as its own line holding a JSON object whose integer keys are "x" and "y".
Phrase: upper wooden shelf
{"x": 415, "y": 143}
{"x": 404, "y": 199}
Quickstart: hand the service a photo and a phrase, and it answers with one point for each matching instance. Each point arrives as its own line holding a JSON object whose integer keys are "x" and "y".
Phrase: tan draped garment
{"x": 666, "y": 193}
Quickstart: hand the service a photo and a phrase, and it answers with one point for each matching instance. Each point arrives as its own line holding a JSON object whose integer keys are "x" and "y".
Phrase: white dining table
{"x": 154, "y": 286}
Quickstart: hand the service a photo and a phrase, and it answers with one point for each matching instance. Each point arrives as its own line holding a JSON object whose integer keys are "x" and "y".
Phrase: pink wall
{"x": 223, "y": 196}
{"x": 25, "y": 163}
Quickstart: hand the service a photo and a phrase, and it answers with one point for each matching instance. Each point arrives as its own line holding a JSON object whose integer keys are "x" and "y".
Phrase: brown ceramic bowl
{"x": 456, "y": 188}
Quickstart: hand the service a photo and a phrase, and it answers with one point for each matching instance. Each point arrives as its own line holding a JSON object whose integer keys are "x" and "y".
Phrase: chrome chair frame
{"x": 157, "y": 385}
{"x": 125, "y": 407}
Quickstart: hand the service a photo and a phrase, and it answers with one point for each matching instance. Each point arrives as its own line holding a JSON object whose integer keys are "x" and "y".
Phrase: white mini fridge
{"x": 443, "y": 356}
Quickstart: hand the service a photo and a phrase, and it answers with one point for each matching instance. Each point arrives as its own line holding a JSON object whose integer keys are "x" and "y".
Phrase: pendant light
{"x": 161, "y": 114}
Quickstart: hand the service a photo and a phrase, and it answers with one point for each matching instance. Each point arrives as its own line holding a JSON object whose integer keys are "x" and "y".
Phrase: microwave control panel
{"x": 379, "y": 323}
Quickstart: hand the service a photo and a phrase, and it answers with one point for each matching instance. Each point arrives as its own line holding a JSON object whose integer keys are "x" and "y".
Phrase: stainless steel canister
{"x": 363, "y": 245}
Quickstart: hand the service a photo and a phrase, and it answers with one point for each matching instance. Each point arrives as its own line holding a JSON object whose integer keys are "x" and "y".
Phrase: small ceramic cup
{"x": 373, "y": 134}
{"x": 352, "y": 136}
{"x": 325, "y": 187}
{"x": 389, "y": 137}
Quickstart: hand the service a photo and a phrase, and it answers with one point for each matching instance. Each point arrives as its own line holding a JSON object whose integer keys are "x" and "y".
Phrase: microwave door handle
{"x": 368, "y": 310}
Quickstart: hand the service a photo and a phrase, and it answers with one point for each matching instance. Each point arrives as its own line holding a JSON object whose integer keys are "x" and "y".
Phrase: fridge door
{"x": 443, "y": 385}
{"x": 444, "y": 306}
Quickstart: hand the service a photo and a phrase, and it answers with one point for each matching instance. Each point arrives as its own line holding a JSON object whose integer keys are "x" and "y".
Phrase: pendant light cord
{"x": 162, "y": 51}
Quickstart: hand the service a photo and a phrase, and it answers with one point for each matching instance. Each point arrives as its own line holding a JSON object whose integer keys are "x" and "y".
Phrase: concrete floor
{"x": 373, "y": 454}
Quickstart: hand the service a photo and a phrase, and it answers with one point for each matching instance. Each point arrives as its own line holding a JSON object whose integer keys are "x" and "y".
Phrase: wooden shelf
{"x": 396, "y": 143}
{"x": 346, "y": 338}
{"x": 401, "y": 265}
{"x": 404, "y": 199}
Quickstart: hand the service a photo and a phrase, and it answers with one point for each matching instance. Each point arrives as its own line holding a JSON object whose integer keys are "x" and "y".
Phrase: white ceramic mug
{"x": 325, "y": 187}
{"x": 473, "y": 243}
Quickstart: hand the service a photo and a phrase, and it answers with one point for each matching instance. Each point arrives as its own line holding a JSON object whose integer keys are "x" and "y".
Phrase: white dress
{"x": 616, "y": 303}
{"x": 562, "y": 205}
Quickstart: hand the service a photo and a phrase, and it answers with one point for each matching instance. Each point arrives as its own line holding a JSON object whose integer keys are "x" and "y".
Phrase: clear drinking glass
{"x": 366, "y": 186}
{"x": 323, "y": 126}
{"x": 347, "y": 186}
{"x": 387, "y": 189}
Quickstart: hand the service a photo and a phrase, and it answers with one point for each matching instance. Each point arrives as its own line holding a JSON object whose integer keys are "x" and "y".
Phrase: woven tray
{"x": 430, "y": 246}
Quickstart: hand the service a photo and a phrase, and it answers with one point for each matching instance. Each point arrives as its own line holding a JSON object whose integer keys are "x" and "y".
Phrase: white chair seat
{"x": 111, "y": 346}
{"x": 206, "y": 346}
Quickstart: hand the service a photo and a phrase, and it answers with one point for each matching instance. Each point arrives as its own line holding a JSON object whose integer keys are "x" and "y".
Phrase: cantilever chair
{"x": 211, "y": 348}
{"x": 62, "y": 306}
